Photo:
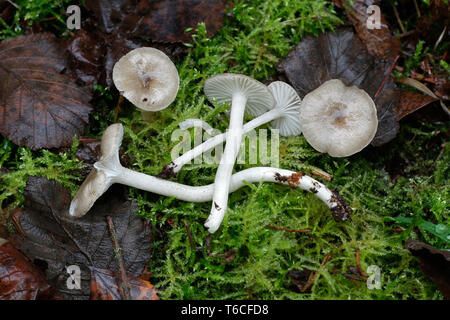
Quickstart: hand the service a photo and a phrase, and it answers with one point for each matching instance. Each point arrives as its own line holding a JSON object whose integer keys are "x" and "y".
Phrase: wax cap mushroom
{"x": 338, "y": 119}
{"x": 147, "y": 78}
{"x": 223, "y": 87}
{"x": 288, "y": 102}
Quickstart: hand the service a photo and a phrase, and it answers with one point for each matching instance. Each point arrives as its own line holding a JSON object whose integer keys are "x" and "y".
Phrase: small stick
{"x": 124, "y": 285}
{"x": 398, "y": 19}
{"x": 320, "y": 173}
{"x": 119, "y": 102}
{"x": 191, "y": 242}
{"x": 312, "y": 275}
{"x": 227, "y": 255}
{"x": 361, "y": 271}
{"x": 288, "y": 230}
{"x": 386, "y": 77}
{"x": 417, "y": 8}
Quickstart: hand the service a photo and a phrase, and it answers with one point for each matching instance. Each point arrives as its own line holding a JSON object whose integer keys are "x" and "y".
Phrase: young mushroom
{"x": 284, "y": 116}
{"x": 147, "y": 78}
{"x": 108, "y": 171}
{"x": 242, "y": 92}
{"x": 337, "y": 119}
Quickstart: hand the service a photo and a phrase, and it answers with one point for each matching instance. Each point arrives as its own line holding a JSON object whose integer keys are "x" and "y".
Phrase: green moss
{"x": 256, "y": 36}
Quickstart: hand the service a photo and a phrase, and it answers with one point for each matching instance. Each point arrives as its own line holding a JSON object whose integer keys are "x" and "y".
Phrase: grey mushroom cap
{"x": 147, "y": 78}
{"x": 288, "y": 100}
{"x": 222, "y": 87}
{"x": 338, "y": 119}
{"x": 99, "y": 179}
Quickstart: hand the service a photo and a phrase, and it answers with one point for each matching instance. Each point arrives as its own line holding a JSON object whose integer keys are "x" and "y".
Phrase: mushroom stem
{"x": 238, "y": 180}
{"x": 225, "y": 169}
{"x": 176, "y": 165}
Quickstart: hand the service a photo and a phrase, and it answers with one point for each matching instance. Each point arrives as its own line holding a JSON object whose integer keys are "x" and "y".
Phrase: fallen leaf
{"x": 110, "y": 13}
{"x": 380, "y": 42}
{"x": 59, "y": 241}
{"x": 87, "y": 52}
{"x": 104, "y": 286}
{"x": 299, "y": 279}
{"x": 411, "y": 101}
{"x": 19, "y": 278}
{"x": 342, "y": 55}
{"x": 434, "y": 263}
{"x": 40, "y": 107}
{"x": 167, "y": 20}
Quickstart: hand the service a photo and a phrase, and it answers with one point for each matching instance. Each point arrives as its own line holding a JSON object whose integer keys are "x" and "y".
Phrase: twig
{"x": 349, "y": 276}
{"x": 288, "y": 230}
{"x": 440, "y": 38}
{"x": 119, "y": 102}
{"x": 398, "y": 19}
{"x": 417, "y": 8}
{"x": 312, "y": 275}
{"x": 191, "y": 242}
{"x": 320, "y": 173}
{"x": 124, "y": 285}
{"x": 361, "y": 271}
{"x": 13, "y": 4}
{"x": 386, "y": 77}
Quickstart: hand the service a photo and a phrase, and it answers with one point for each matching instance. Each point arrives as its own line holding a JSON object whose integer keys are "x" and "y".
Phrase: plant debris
{"x": 434, "y": 263}
{"x": 58, "y": 241}
{"x": 40, "y": 106}
{"x": 20, "y": 279}
{"x": 104, "y": 286}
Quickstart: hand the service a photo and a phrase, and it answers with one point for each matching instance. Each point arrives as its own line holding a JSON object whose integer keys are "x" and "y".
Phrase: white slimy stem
{"x": 225, "y": 169}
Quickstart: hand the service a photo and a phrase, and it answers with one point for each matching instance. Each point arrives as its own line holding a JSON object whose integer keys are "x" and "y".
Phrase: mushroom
{"x": 284, "y": 117}
{"x": 338, "y": 119}
{"x": 242, "y": 92}
{"x": 147, "y": 78}
{"x": 108, "y": 171}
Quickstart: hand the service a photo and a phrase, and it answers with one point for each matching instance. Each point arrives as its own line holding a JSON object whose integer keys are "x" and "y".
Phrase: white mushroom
{"x": 108, "y": 171}
{"x": 147, "y": 78}
{"x": 241, "y": 91}
{"x": 337, "y": 119}
{"x": 284, "y": 117}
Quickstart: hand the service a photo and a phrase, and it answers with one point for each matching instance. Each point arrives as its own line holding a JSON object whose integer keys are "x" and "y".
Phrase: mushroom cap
{"x": 337, "y": 119}
{"x": 288, "y": 100}
{"x": 222, "y": 87}
{"x": 147, "y": 78}
{"x": 100, "y": 178}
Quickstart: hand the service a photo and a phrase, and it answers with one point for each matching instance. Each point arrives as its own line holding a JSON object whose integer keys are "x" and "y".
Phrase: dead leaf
{"x": 299, "y": 279}
{"x": 342, "y": 55}
{"x": 167, "y": 20}
{"x": 40, "y": 107}
{"x": 380, "y": 42}
{"x": 411, "y": 101}
{"x": 19, "y": 278}
{"x": 434, "y": 263}
{"x": 104, "y": 286}
{"x": 87, "y": 52}
{"x": 58, "y": 241}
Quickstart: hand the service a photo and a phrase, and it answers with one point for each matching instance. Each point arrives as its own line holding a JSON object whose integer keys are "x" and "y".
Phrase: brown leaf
{"x": 167, "y": 20}
{"x": 411, "y": 101}
{"x": 380, "y": 43}
{"x": 104, "y": 286}
{"x": 158, "y": 20}
{"x": 299, "y": 279}
{"x": 87, "y": 51}
{"x": 434, "y": 263}
{"x": 40, "y": 107}
{"x": 58, "y": 241}
{"x": 19, "y": 278}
